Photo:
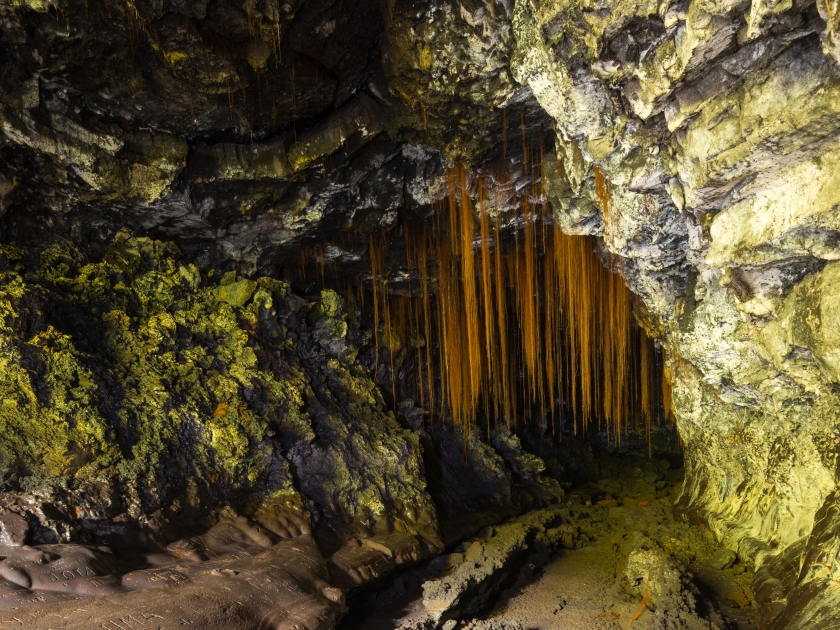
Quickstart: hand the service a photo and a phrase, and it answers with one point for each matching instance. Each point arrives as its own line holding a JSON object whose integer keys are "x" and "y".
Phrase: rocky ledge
{"x": 697, "y": 139}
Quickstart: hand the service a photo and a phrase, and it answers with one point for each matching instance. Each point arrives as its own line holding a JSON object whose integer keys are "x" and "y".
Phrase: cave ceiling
{"x": 244, "y": 131}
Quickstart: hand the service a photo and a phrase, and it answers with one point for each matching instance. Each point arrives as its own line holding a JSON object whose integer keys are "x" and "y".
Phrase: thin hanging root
{"x": 507, "y": 328}
{"x": 375, "y": 253}
{"x": 501, "y": 374}
{"x": 504, "y": 134}
{"x": 427, "y": 315}
{"x": 667, "y": 401}
{"x": 645, "y": 382}
{"x": 603, "y": 191}
{"x": 644, "y": 360}
{"x": 487, "y": 306}
{"x": 643, "y": 603}
{"x": 390, "y": 345}
{"x": 470, "y": 300}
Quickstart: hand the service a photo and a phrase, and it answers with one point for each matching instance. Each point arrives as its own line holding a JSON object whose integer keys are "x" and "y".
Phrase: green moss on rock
{"x": 141, "y": 374}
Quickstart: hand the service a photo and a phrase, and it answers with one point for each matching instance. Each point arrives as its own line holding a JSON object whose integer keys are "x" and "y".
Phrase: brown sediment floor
{"x": 612, "y": 555}
{"x": 582, "y": 589}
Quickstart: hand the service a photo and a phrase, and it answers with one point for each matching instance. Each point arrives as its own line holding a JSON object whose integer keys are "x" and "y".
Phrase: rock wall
{"x": 716, "y": 124}
{"x": 139, "y": 387}
{"x": 245, "y": 130}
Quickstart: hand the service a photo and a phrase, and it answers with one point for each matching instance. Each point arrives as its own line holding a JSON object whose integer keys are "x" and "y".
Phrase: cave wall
{"x": 137, "y": 386}
{"x": 715, "y": 123}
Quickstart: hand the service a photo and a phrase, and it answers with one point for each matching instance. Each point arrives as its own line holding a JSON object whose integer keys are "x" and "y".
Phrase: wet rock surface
{"x": 235, "y": 575}
{"x": 282, "y": 586}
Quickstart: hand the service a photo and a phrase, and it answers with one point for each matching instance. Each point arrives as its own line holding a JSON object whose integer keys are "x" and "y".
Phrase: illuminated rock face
{"x": 199, "y": 436}
{"x": 239, "y": 130}
{"x": 218, "y": 382}
{"x": 720, "y": 148}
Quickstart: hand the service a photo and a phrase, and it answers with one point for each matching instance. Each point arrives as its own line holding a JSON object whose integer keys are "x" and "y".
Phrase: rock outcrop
{"x": 137, "y": 386}
{"x": 244, "y": 131}
{"x": 716, "y": 125}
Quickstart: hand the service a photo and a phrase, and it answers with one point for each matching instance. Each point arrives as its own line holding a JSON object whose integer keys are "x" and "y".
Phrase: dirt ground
{"x": 620, "y": 560}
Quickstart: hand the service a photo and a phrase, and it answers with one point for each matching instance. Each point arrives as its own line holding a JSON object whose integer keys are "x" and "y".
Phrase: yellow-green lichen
{"x": 131, "y": 367}
{"x": 169, "y": 386}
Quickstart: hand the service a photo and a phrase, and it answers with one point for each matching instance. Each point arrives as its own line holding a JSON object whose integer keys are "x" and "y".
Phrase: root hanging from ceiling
{"x": 507, "y": 319}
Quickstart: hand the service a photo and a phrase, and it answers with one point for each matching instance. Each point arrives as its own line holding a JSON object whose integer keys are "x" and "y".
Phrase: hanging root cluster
{"x": 507, "y": 319}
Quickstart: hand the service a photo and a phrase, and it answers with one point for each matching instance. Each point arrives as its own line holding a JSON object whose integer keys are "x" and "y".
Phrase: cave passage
{"x": 611, "y": 556}
{"x": 420, "y": 314}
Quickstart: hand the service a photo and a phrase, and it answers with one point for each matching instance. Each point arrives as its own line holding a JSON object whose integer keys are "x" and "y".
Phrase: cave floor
{"x": 579, "y": 591}
{"x": 629, "y": 563}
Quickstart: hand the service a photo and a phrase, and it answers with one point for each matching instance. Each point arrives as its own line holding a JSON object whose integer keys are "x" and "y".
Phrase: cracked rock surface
{"x": 140, "y": 391}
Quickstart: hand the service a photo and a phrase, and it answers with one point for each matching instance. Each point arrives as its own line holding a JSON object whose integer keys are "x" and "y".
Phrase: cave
{"x": 419, "y": 314}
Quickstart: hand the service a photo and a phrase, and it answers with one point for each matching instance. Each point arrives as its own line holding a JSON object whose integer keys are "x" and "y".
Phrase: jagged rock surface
{"x": 714, "y": 122}
{"x": 144, "y": 398}
{"x": 240, "y": 130}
